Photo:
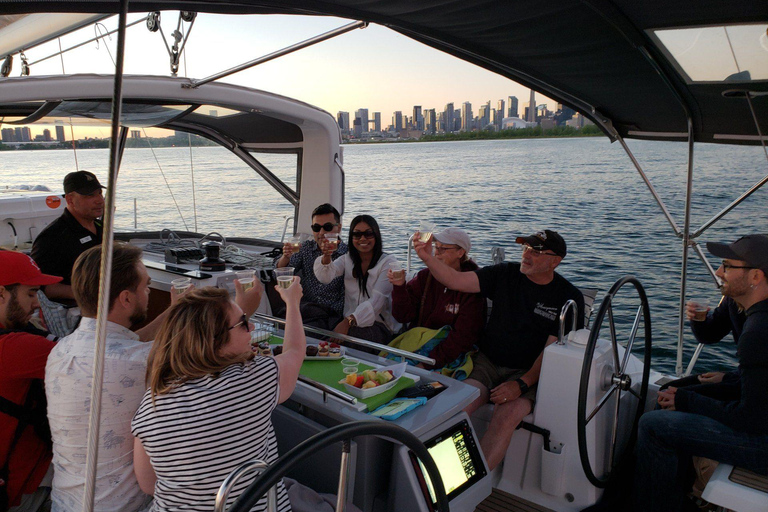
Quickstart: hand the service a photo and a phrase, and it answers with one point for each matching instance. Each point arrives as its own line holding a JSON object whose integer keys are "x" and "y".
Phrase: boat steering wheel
{"x": 614, "y": 381}
{"x": 345, "y": 433}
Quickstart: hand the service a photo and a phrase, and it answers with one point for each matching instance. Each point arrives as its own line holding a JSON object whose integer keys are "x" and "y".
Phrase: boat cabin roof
{"x": 638, "y": 69}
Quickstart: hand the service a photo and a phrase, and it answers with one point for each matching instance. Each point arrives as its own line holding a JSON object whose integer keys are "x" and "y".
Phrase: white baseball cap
{"x": 454, "y": 236}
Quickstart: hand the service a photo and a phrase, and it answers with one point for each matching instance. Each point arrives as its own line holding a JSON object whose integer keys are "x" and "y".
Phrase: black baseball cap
{"x": 82, "y": 182}
{"x": 752, "y": 249}
{"x": 546, "y": 239}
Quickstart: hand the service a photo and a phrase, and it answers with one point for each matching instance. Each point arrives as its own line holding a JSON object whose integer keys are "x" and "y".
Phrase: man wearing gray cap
{"x": 57, "y": 247}
{"x": 527, "y": 299}
{"x": 732, "y": 428}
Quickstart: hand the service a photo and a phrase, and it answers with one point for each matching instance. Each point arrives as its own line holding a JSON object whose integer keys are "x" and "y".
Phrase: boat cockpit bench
{"x": 737, "y": 489}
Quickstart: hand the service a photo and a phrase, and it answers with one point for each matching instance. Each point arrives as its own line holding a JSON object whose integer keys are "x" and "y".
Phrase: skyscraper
{"x": 418, "y": 119}
{"x": 357, "y": 127}
{"x": 466, "y": 116}
{"x": 47, "y": 135}
{"x": 343, "y": 119}
{"x": 362, "y": 114}
{"x": 512, "y": 107}
{"x": 499, "y": 114}
{"x": 430, "y": 120}
{"x": 448, "y": 116}
{"x": 484, "y": 115}
{"x": 532, "y": 108}
{"x": 377, "y": 121}
{"x": 397, "y": 120}
{"x": 60, "y": 134}
{"x": 8, "y": 135}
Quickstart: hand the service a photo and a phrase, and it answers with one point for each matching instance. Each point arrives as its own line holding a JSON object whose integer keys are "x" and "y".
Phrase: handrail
{"x": 239, "y": 472}
{"x": 285, "y": 227}
{"x": 352, "y": 339}
{"x": 569, "y": 304}
{"x": 327, "y": 390}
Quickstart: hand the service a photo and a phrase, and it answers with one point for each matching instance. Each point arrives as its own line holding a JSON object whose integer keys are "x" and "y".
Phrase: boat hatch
{"x": 727, "y": 53}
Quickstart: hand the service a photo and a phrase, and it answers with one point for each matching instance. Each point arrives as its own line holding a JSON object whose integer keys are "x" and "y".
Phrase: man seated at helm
{"x": 527, "y": 299}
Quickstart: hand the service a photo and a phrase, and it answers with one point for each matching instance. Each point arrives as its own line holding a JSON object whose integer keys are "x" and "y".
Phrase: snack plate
{"x": 397, "y": 371}
{"x": 329, "y": 357}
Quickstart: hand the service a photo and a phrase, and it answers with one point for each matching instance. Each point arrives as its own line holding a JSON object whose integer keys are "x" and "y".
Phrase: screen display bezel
{"x": 474, "y": 452}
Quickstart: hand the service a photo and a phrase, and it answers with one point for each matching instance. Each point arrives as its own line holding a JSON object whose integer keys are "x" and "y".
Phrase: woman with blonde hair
{"x": 209, "y": 402}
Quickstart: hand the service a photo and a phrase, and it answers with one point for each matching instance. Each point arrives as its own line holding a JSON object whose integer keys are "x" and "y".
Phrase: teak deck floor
{"x": 500, "y": 501}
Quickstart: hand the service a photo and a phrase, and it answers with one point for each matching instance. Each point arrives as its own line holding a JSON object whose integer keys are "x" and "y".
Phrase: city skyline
{"x": 375, "y": 68}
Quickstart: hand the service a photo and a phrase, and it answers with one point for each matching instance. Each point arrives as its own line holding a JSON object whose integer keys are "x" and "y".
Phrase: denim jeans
{"x": 667, "y": 440}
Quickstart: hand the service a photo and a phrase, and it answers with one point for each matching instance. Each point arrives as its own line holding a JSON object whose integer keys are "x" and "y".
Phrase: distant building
{"x": 22, "y": 134}
{"x": 377, "y": 121}
{"x": 499, "y": 114}
{"x": 578, "y": 121}
{"x": 430, "y": 121}
{"x": 531, "y": 113}
{"x": 362, "y": 114}
{"x": 60, "y": 136}
{"x": 418, "y": 118}
{"x": 484, "y": 116}
{"x": 135, "y": 134}
{"x": 512, "y": 106}
{"x": 397, "y": 121}
{"x": 448, "y": 117}
{"x": 513, "y": 123}
{"x": 547, "y": 123}
{"x": 8, "y": 135}
{"x": 47, "y": 135}
{"x": 466, "y": 116}
{"x": 343, "y": 119}
{"x": 357, "y": 127}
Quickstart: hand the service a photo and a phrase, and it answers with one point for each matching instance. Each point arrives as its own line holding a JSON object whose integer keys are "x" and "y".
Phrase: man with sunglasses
{"x": 729, "y": 423}
{"x": 322, "y": 304}
{"x": 69, "y": 374}
{"x": 527, "y": 299}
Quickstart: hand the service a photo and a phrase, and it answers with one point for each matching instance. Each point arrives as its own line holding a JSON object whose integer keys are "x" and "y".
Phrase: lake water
{"x": 586, "y": 189}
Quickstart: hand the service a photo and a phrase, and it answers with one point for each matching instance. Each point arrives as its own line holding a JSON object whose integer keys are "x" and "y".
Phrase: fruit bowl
{"x": 397, "y": 371}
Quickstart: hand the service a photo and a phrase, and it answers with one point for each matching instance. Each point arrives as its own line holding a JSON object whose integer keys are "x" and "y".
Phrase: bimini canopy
{"x": 641, "y": 68}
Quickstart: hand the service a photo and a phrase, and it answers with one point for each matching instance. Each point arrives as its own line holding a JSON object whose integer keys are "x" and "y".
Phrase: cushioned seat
{"x": 737, "y": 489}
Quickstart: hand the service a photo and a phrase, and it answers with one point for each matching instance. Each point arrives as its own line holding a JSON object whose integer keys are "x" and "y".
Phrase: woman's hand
{"x": 291, "y": 295}
{"x": 397, "y": 281}
{"x": 250, "y": 299}
{"x": 423, "y": 249}
{"x": 666, "y": 398}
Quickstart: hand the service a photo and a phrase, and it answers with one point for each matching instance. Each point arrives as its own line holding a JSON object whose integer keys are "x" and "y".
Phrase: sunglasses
{"x": 537, "y": 252}
{"x": 368, "y": 233}
{"x": 328, "y": 226}
{"x": 242, "y": 323}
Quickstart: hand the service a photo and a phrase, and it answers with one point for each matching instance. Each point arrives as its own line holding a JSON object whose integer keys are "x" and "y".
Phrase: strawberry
{"x": 359, "y": 382}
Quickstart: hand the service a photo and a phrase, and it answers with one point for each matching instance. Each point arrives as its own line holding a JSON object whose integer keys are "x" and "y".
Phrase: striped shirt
{"x": 199, "y": 432}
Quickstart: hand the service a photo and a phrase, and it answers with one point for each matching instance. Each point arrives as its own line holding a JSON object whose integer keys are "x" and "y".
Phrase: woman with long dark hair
{"x": 367, "y": 291}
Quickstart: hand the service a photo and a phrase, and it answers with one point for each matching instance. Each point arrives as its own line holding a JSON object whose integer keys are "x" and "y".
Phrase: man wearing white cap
{"x": 25, "y": 449}
{"x": 424, "y": 302}
{"x": 527, "y": 298}
{"x": 732, "y": 428}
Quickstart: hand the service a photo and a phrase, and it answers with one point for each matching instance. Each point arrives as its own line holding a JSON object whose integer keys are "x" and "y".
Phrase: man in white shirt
{"x": 68, "y": 377}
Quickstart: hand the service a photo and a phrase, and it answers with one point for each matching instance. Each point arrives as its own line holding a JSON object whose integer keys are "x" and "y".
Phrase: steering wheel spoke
{"x": 602, "y": 402}
{"x": 620, "y": 381}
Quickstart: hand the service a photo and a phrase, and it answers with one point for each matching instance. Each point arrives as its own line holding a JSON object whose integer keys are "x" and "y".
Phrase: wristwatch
{"x": 352, "y": 321}
{"x": 523, "y": 386}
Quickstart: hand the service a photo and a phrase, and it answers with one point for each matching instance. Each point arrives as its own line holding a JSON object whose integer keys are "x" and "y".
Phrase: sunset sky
{"x": 372, "y": 68}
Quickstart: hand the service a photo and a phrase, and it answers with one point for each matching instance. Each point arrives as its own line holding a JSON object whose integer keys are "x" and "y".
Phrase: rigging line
{"x": 164, "y": 178}
{"x": 71, "y": 128}
{"x": 735, "y": 61}
{"x": 757, "y": 123}
{"x": 189, "y": 143}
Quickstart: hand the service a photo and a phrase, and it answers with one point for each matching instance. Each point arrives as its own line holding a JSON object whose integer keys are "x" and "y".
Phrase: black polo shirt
{"x": 57, "y": 247}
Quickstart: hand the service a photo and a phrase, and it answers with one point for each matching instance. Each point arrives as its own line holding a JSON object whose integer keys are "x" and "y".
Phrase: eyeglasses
{"x": 537, "y": 252}
{"x": 328, "y": 226}
{"x": 242, "y": 323}
{"x": 728, "y": 266}
{"x": 440, "y": 249}
{"x": 368, "y": 233}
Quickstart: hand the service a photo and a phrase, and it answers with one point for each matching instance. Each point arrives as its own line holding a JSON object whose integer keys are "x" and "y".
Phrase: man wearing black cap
{"x": 25, "y": 446}
{"x": 527, "y": 298}
{"x": 57, "y": 247}
{"x": 732, "y": 428}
